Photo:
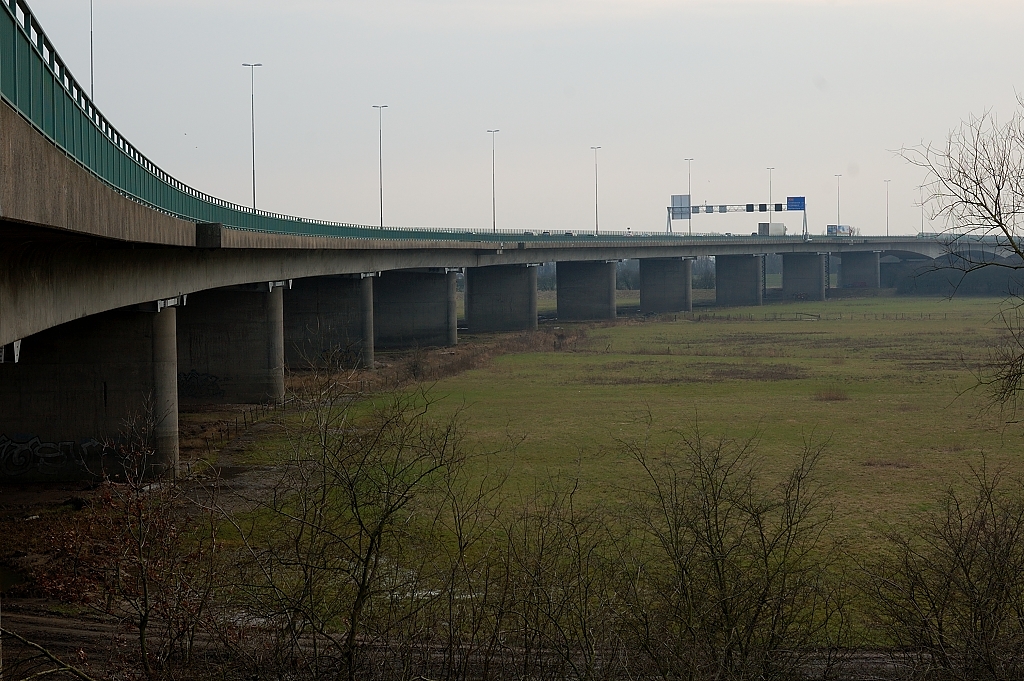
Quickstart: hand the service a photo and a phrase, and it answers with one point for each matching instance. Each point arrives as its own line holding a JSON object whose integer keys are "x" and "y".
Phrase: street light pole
{"x": 252, "y": 96}
{"x": 595, "y": 189}
{"x": 837, "y": 202}
{"x": 92, "y": 80}
{"x": 770, "y": 169}
{"x": 689, "y": 221}
{"x": 494, "y": 214}
{"x": 887, "y": 207}
{"x": 380, "y": 157}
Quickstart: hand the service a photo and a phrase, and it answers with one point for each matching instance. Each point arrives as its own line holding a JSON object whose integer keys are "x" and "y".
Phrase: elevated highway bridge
{"x": 123, "y": 290}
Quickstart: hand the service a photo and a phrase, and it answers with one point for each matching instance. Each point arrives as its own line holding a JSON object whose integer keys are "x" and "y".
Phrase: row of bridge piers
{"x": 79, "y": 386}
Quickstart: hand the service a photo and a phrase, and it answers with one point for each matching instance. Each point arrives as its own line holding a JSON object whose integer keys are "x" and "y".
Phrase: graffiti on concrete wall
{"x": 197, "y": 385}
{"x": 18, "y": 457}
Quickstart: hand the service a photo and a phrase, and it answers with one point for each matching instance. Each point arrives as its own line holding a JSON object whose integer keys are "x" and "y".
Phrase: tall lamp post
{"x": 380, "y": 157}
{"x": 595, "y": 190}
{"x": 92, "y": 80}
{"x": 494, "y": 213}
{"x": 837, "y": 202}
{"x": 689, "y": 221}
{"x": 887, "y": 207}
{"x": 770, "y": 169}
{"x": 252, "y": 97}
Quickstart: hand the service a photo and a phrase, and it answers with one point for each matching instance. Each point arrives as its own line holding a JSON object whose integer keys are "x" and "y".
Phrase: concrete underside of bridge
{"x": 501, "y": 298}
{"x": 585, "y": 290}
{"x": 89, "y": 384}
{"x": 666, "y": 285}
{"x": 48, "y": 277}
{"x": 328, "y": 322}
{"x": 860, "y": 270}
{"x": 738, "y": 280}
{"x": 415, "y": 309}
{"x": 231, "y": 346}
{"x": 803, "y": 276}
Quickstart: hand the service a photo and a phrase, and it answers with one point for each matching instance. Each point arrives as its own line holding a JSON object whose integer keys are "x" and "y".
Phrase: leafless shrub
{"x": 729, "y": 580}
{"x": 949, "y": 589}
{"x": 147, "y": 553}
{"x": 338, "y": 555}
{"x": 564, "y": 617}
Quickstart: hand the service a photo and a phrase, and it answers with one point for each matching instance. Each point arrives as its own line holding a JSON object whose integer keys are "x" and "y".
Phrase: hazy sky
{"x": 811, "y": 87}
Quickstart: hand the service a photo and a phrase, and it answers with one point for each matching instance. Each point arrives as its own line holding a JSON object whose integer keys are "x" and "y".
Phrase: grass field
{"x": 883, "y": 379}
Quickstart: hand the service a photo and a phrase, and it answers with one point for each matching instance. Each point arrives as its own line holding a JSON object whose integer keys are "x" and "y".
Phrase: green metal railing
{"x": 37, "y": 83}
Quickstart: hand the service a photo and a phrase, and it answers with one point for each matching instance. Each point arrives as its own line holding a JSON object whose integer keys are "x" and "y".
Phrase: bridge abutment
{"x": 585, "y": 289}
{"x": 329, "y": 321}
{"x": 738, "y": 280}
{"x": 415, "y": 308}
{"x": 82, "y": 386}
{"x": 231, "y": 345}
{"x": 666, "y": 285}
{"x": 501, "y": 298}
{"x": 860, "y": 270}
{"x": 803, "y": 276}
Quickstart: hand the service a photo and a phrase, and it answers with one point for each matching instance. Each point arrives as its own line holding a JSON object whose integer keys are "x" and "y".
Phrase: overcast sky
{"x": 811, "y": 87}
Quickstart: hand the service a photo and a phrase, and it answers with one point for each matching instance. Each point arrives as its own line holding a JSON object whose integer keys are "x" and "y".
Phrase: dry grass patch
{"x": 887, "y": 463}
{"x": 832, "y": 393}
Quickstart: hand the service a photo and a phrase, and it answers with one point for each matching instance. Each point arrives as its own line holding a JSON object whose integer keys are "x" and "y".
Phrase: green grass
{"x": 905, "y": 430}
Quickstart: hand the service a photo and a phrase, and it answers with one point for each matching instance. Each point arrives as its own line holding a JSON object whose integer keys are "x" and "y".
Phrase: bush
{"x": 949, "y": 590}
{"x": 729, "y": 580}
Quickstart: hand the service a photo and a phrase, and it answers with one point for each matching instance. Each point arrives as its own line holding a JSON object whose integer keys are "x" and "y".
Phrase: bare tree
{"x": 975, "y": 184}
{"x": 340, "y": 552}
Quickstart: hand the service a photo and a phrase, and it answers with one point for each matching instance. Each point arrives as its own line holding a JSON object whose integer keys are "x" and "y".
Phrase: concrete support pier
{"x": 738, "y": 280}
{"x": 82, "y": 387}
{"x": 329, "y": 321}
{"x": 803, "y": 276}
{"x": 666, "y": 285}
{"x": 415, "y": 308}
{"x": 860, "y": 270}
{"x": 501, "y": 298}
{"x": 231, "y": 345}
{"x": 585, "y": 289}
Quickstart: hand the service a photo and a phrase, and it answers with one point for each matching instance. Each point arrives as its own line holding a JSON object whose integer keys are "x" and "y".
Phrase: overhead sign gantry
{"x": 681, "y": 209}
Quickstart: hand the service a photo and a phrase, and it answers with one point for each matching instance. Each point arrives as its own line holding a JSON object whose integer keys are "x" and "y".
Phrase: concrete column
{"x": 803, "y": 276}
{"x": 585, "y": 290}
{"x": 451, "y": 281}
{"x": 414, "y": 308}
{"x": 366, "y": 306}
{"x": 738, "y": 280}
{"x": 165, "y": 391}
{"x": 231, "y": 345}
{"x": 81, "y": 387}
{"x": 860, "y": 270}
{"x": 666, "y": 285}
{"x": 501, "y": 298}
{"x": 329, "y": 321}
